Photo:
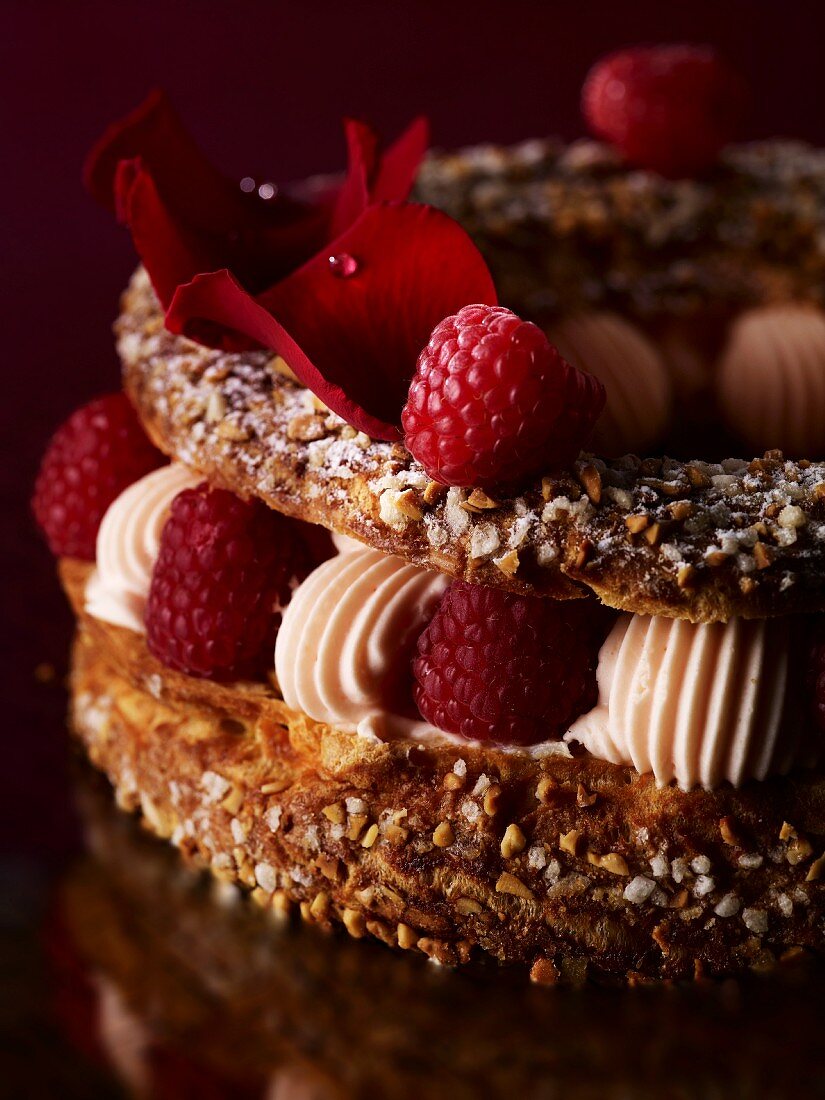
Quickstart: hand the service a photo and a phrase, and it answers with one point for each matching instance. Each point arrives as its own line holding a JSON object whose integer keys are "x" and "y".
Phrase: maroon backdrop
{"x": 263, "y": 85}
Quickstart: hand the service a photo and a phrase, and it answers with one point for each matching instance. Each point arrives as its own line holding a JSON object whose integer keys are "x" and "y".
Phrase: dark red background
{"x": 263, "y": 86}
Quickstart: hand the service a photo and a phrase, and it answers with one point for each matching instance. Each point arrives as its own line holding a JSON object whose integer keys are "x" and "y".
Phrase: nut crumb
{"x": 569, "y": 842}
{"x": 610, "y": 861}
{"x": 491, "y": 799}
{"x": 513, "y": 841}
{"x": 407, "y": 937}
{"x": 355, "y": 923}
{"x": 509, "y": 884}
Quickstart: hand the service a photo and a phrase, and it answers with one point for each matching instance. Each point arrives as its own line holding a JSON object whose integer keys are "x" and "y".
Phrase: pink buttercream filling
{"x": 698, "y": 703}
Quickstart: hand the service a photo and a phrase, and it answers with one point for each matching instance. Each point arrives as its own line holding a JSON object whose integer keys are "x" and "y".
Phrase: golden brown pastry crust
{"x": 238, "y": 992}
{"x": 688, "y": 540}
{"x": 446, "y": 849}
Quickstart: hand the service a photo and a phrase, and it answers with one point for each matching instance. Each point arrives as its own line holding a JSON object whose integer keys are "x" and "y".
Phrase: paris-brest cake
{"x": 391, "y": 606}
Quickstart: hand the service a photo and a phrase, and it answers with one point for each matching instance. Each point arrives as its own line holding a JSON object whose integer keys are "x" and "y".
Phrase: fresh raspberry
{"x": 493, "y": 401}
{"x": 92, "y": 457}
{"x": 494, "y": 666}
{"x": 225, "y": 569}
{"x": 668, "y": 108}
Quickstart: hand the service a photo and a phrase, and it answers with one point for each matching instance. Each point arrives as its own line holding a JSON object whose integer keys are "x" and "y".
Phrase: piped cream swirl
{"x": 698, "y": 703}
{"x": 772, "y": 379}
{"x": 639, "y": 394}
{"x": 128, "y": 543}
{"x": 344, "y": 648}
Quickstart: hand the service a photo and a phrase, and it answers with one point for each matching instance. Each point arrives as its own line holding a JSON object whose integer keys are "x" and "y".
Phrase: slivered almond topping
{"x": 716, "y": 558}
{"x": 727, "y": 828}
{"x": 407, "y": 937}
{"x": 443, "y": 836}
{"x": 819, "y": 490}
{"x": 697, "y": 478}
{"x": 508, "y": 563}
{"x": 356, "y": 825}
{"x": 611, "y": 861}
{"x": 320, "y": 906}
{"x": 816, "y": 870}
{"x": 354, "y": 923}
{"x": 509, "y": 884}
{"x": 584, "y": 797}
{"x": 479, "y": 500}
{"x": 280, "y": 366}
{"x": 569, "y": 842}
{"x": 467, "y": 906}
{"x": 433, "y": 491}
{"x": 787, "y": 832}
{"x": 407, "y": 502}
{"x": 546, "y": 785}
{"x": 513, "y": 841}
{"x": 306, "y": 428}
{"x": 799, "y": 849}
{"x": 681, "y": 509}
{"x": 686, "y": 577}
{"x": 591, "y": 481}
{"x": 452, "y": 782}
{"x": 637, "y": 523}
{"x": 281, "y": 903}
{"x": 746, "y": 585}
{"x": 275, "y": 787}
{"x": 335, "y": 813}
{"x": 491, "y": 800}
{"x": 763, "y": 555}
{"x": 547, "y": 488}
{"x": 215, "y": 407}
{"x": 653, "y": 534}
{"x": 370, "y": 836}
{"x": 228, "y": 429}
{"x": 397, "y": 835}
{"x": 233, "y": 801}
{"x": 305, "y": 913}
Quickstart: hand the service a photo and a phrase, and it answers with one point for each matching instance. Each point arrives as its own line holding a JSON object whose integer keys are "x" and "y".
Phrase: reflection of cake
{"x": 216, "y": 997}
{"x": 469, "y": 765}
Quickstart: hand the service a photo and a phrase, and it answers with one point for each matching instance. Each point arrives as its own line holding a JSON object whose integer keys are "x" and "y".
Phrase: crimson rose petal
{"x": 155, "y": 133}
{"x": 374, "y": 178}
{"x": 177, "y": 202}
{"x": 352, "y": 339}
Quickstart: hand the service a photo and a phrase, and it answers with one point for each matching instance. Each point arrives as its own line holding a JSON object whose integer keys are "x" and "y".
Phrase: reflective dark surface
{"x": 140, "y": 977}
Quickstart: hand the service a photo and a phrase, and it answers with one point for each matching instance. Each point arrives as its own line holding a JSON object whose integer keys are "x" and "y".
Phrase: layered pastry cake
{"x": 452, "y": 567}
{"x": 203, "y": 995}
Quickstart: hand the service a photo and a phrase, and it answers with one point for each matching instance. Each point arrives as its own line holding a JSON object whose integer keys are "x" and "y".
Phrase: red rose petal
{"x": 187, "y": 218}
{"x": 183, "y": 175}
{"x": 353, "y": 341}
{"x": 374, "y": 178}
{"x": 398, "y": 166}
{"x": 169, "y": 252}
{"x": 354, "y": 195}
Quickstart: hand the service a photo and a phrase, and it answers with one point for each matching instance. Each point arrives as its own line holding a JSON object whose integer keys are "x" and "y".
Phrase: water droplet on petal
{"x": 247, "y": 184}
{"x": 344, "y": 266}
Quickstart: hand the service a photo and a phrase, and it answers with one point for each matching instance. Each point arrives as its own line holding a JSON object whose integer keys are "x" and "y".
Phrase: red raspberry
{"x": 225, "y": 569}
{"x": 668, "y": 108}
{"x": 493, "y": 401}
{"x": 494, "y": 666}
{"x": 92, "y": 457}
